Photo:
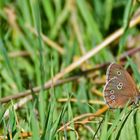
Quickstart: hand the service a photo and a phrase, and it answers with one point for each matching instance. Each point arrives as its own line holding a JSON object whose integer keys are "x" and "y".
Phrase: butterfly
{"x": 120, "y": 88}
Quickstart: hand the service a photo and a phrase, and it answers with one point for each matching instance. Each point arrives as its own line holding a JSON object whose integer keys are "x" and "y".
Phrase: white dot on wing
{"x": 112, "y": 97}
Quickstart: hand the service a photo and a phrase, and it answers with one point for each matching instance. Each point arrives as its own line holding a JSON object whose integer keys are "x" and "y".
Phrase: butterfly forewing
{"x": 115, "y": 70}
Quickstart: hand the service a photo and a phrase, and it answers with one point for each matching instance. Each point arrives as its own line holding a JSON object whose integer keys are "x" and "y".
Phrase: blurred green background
{"x": 39, "y": 39}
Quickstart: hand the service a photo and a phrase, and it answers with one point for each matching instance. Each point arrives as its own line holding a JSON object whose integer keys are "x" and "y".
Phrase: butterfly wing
{"x": 115, "y": 70}
{"x": 112, "y": 71}
{"x": 117, "y": 93}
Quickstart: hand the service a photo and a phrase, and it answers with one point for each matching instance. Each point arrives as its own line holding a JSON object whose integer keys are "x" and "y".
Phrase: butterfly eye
{"x": 119, "y": 86}
{"x": 118, "y": 72}
{"x": 112, "y": 97}
{"x": 111, "y": 91}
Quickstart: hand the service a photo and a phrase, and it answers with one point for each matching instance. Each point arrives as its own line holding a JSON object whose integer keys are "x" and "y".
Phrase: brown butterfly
{"x": 120, "y": 87}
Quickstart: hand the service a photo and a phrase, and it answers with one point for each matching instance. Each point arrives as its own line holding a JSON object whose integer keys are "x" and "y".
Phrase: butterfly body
{"x": 120, "y": 87}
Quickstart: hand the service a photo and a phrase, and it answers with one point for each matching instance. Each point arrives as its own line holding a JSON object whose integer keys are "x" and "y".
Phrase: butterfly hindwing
{"x": 116, "y": 93}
